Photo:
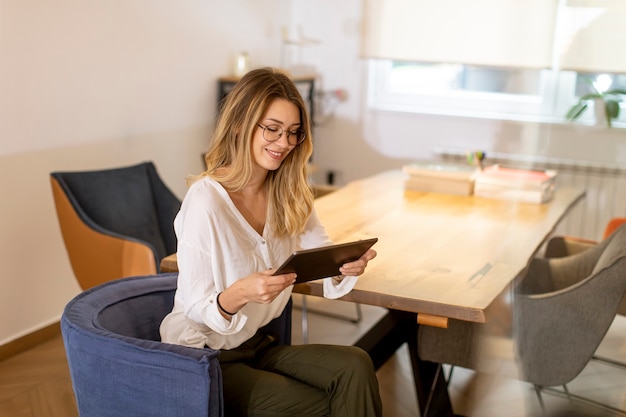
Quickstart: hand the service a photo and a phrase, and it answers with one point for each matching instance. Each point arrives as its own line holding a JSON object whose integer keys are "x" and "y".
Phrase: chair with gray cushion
{"x": 560, "y": 246}
{"x": 115, "y": 222}
{"x": 562, "y": 310}
{"x": 118, "y": 365}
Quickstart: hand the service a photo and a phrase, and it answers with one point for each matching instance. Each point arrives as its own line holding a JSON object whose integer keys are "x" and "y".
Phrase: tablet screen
{"x": 311, "y": 264}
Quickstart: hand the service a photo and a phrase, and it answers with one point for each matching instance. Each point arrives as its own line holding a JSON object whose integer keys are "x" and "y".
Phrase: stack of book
{"x": 438, "y": 177}
{"x": 515, "y": 184}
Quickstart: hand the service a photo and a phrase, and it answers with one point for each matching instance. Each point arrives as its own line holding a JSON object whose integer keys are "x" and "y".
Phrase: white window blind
{"x": 501, "y": 33}
{"x": 594, "y": 36}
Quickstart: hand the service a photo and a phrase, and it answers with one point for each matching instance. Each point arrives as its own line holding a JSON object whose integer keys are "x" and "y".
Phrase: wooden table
{"x": 440, "y": 257}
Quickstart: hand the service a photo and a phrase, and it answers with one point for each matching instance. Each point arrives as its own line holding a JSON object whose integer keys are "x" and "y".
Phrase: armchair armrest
{"x": 117, "y": 363}
{"x": 123, "y": 376}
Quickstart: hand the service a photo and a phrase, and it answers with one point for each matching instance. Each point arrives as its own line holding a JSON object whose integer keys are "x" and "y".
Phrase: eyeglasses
{"x": 272, "y": 133}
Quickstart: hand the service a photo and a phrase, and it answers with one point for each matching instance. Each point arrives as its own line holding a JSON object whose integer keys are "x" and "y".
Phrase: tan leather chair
{"x": 115, "y": 222}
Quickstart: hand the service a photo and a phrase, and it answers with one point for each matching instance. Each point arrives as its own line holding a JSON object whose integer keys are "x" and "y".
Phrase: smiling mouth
{"x": 274, "y": 154}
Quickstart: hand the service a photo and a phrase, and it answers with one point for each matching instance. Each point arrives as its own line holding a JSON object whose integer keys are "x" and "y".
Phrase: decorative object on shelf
{"x": 291, "y": 52}
{"x": 326, "y": 102}
{"x": 476, "y": 158}
{"x": 305, "y": 83}
{"x": 605, "y": 102}
{"x": 241, "y": 65}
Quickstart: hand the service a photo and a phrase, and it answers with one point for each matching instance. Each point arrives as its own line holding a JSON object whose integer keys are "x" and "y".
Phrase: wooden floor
{"x": 496, "y": 394}
{"x": 36, "y": 383}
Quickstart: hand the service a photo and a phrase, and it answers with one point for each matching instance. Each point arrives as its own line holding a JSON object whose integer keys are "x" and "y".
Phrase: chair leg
{"x": 609, "y": 361}
{"x": 569, "y": 396}
{"x": 359, "y": 314}
{"x": 450, "y": 375}
{"x": 540, "y": 398}
{"x": 305, "y": 318}
{"x": 573, "y": 398}
{"x": 305, "y": 322}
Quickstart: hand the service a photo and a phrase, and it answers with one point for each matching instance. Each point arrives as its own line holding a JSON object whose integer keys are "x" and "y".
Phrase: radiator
{"x": 605, "y": 187}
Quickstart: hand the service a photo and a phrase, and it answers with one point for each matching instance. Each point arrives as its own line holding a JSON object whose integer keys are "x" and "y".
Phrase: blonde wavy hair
{"x": 290, "y": 199}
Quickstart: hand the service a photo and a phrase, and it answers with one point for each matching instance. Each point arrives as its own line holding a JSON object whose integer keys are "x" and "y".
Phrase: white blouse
{"x": 216, "y": 247}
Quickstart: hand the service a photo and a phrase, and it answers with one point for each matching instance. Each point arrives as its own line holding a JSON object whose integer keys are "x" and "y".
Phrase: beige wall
{"x": 92, "y": 84}
{"x": 102, "y": 83}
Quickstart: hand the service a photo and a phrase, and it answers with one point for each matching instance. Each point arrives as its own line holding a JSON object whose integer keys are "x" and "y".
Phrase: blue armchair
{"x": 118, "y": 365}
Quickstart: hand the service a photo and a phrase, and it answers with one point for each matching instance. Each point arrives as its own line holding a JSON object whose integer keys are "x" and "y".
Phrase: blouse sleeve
{"x": 198, "y": 280}
{"x": 315, "y": 236}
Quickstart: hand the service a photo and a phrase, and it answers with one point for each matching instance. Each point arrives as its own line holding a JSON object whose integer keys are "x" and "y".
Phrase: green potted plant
{"x": 607, "y": 101}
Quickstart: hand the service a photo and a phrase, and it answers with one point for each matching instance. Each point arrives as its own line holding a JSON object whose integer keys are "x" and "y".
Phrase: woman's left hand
{"x": 357, "y": 267}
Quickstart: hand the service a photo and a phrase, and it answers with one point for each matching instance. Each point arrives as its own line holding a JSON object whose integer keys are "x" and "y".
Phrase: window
{"x": 602, "y": 82}
{"x": 473, "y": 91}
{"x": 510, "y": 77}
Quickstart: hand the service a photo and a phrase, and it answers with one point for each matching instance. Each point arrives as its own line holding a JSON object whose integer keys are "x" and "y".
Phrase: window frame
{"x": 556, "y": 96}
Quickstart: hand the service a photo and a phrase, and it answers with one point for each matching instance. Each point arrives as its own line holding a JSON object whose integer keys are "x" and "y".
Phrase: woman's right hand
{"x": 263, "y": 287}
{"x": 259, "y": 287}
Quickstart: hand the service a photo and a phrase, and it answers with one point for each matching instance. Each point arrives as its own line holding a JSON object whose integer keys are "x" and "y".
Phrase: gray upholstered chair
{"x": 118, "y": 365}
{"x": 115, "y": 222}
{"x": 560, "y": 246}
{"x": 561, "y": 312}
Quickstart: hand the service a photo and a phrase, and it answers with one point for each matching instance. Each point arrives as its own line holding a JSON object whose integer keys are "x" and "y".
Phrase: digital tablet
{"x": 311, "y": 264}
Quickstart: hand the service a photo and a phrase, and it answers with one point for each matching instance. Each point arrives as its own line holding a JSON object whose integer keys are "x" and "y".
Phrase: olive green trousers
{"x": 262, "y": 379}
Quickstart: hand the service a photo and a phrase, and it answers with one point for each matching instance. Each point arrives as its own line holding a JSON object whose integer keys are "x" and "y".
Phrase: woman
{"x": 240, "y": 219}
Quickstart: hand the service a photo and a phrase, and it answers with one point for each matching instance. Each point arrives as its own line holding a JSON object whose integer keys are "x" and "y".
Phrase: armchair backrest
{"x": 558, "y": 331}
{"x": 130, "y": 201}
{"x": 115, "y": 222}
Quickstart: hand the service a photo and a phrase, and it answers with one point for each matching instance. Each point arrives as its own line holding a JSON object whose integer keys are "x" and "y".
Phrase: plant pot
{"x": 599, "y": 110}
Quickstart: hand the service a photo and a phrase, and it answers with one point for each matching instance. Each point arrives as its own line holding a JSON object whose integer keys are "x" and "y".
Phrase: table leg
{"x": 384, "y": 339}
{"x": 431, "y": 388}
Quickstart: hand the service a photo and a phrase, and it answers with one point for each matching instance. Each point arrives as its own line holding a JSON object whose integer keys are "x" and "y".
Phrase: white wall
{"x": 104, "y": 83}
{"x": 358, "y": 141}
{"x": 107, "y": 83}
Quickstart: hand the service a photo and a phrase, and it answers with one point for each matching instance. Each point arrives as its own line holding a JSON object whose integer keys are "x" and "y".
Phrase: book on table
{"x": 439, "y": 177}
{"x": 531, "y": 186}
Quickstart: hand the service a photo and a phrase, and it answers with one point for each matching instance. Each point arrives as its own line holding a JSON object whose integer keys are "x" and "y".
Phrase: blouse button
{"x": 262, "y": 242}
